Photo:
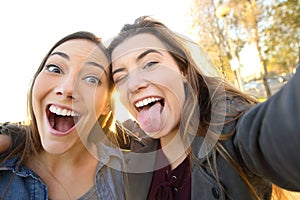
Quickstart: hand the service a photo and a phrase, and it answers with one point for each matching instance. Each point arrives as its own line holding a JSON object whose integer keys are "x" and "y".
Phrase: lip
{"x": 56, "y": 132}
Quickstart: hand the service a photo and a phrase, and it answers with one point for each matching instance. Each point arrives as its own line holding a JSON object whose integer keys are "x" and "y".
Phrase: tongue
{"x": 150, "y": 118}
{"x": 63, "y": 123}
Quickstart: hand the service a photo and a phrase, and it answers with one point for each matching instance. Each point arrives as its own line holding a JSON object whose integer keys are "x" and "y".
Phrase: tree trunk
{"x": 256, "y": 41}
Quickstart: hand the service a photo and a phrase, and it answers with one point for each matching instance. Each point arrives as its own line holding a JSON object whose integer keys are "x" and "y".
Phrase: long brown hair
{"x": 203, "y": 93}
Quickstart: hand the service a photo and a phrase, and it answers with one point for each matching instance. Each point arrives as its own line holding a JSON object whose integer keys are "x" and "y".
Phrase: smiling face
{"x": 150, "y": 83}
{"x": 70, "y": 94}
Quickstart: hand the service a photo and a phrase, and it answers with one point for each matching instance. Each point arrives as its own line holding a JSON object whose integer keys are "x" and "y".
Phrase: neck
{"x": 174, "y": 148}
{"x": 68, "y": 175}
{"x": 68, "y": 159}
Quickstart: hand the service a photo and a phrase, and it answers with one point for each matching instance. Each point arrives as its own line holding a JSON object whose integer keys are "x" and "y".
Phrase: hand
{"x": 4, "y": 142}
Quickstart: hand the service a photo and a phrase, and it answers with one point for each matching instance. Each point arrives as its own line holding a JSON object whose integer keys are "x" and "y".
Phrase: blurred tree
{"x": 282, "y": 35}
{"x": 258, "y": 22}
{"x": 253, "y": 21}
{"x": 211, "y": 35}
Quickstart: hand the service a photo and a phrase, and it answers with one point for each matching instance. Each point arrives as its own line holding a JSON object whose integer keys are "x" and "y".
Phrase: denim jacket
{"x": 25, "y": 184}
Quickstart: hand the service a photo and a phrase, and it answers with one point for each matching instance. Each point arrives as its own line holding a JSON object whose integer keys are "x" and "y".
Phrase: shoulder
{"x": 12, "y": 166}
{"x": 14, "y": 130}
{"x": 225, "y": 112}
{"x": 17, "y": 134}
{"x": 231, "y": 104}
{"x": 10, "y": 163}
{"x": 14, "y": 177}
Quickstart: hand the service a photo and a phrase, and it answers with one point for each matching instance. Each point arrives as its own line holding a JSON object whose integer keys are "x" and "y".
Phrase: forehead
{"x": 82, "y": 49}
{"x": 137, "y": 43}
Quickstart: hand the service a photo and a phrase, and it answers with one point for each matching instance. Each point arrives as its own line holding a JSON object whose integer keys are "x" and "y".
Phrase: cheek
{"x": 175, "y": 98}
{"x": 39, "y": 90}
{"x": 175, "y": 84}
{"x": 181, "y": 94}
{"x": 122, "y": 94}
{"x": 172, "y": 82}
{"x": 129, "y": 108}
{"x": 99, "y": 101}
{"x": 43, "y": 84}
{"x": 37, "y": 86}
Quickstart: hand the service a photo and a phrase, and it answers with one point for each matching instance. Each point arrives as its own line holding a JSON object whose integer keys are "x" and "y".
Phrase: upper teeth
{"x": 146, "y": 101}
{"x": 63, "y": 112}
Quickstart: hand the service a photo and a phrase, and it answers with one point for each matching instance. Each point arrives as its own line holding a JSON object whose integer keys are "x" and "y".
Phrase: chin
{"x": 55, "y": 147}
{"x": 157, "y": 135}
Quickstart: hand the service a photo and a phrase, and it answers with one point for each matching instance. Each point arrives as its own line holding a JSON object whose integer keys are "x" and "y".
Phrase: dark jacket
{"x": 266, "y": 145}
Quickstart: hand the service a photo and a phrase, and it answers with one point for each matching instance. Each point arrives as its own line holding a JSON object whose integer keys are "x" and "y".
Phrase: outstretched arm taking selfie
{"x": 272, "y": 143}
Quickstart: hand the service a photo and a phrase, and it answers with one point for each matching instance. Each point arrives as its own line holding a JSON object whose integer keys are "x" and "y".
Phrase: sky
{"x": 30, "y": 28}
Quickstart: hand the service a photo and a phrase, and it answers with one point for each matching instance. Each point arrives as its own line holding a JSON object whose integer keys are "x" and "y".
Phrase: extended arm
{"x": 268, "y": 137}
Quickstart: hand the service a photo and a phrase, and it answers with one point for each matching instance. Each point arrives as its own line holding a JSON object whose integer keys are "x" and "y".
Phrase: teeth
{"x": 146, "y": 101}
{"x": 63, "y": 112}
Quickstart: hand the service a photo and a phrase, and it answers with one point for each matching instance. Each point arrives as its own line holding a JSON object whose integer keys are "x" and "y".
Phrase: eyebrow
{"x": 117, "y": 70}
{"x": 141, "y": 56}
{"x": 60, "y": 54}
{"x": 68, "y": 58}
{"x": 97, "y": 65}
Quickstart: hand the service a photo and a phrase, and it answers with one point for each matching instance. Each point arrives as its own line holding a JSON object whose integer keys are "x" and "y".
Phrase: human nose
{"x": 66, "y": 88}
{"x": 136, "y": 82}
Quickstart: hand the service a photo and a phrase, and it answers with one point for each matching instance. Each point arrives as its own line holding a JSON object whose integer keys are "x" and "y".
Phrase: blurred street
{"x": 257, "y": 88}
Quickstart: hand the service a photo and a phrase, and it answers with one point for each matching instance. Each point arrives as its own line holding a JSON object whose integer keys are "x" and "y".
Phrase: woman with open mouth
{"x": 212, "y": 141}
{"x": 69, "y": 101}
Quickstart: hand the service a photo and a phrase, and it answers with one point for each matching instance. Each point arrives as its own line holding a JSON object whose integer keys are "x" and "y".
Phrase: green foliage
{"x": 283, "y": 35}
{"x": 274, "y": 25}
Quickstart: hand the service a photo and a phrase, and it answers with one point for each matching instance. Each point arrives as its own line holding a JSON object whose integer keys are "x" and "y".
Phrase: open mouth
{"x": 148, "y": 102}
{"x": 150, "y": 116}
{"x": 61, "y": 119}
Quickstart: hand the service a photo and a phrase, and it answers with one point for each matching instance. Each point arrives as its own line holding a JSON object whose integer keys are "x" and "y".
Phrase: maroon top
{"x": 171, "y": 185}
